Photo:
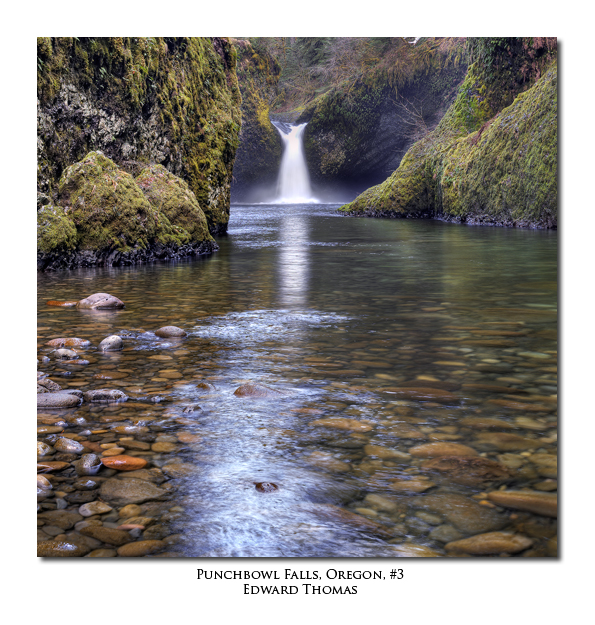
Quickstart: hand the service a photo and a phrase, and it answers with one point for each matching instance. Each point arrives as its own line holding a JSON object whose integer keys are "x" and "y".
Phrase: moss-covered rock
{"x": 482, "y": 164}
{"x": 260, "y": 148}
{"x": 172, "y": 197}
{"x": 105, "y": 218}
{"x": 140, "y": 100}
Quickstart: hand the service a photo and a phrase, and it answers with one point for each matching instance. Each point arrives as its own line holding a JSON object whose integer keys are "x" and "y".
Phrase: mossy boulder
{"x": 173, "y": 198}
{"x": 105, "y": 218}
{"x": 140, "y": 100}
{"x": 483, "y": 165}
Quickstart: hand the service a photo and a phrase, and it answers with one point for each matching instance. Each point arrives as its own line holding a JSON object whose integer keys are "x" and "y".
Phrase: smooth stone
{"x": 102, "y": 553}
{"x": 57, "y": 400}
{"x": 68, "y": 342}
{"x": 405, "y": 431}
{"x": 61, "y": 518}
{"x": 378, "y": 502}
{"x": 99, "y": 301}
{"x": 411, "y": 486}
{"x": 266, "y": 487}
{"x": 170, "y": 332}
{"x": 66, "y": 304}
{"x": 445, "y": 534}
{"x": 255, "y": 390}
{"x": 43, "y": 449}
{"x": 49, "y": 385}
{"x": 105, "y": 395}
{"x": 410, "y": 550}
{"x": 49, "y": 429}
{"x": 492, "y": 543}
{"x": 343, "y": 424}
{"x": 65, "y": 354}
{"x": 434, "y": 450}
{"x": 385, "y": 453}
{"x": 547, "y": 464}
{"x": 114, "y": 451}
{"x": 124, "y": 463}
{"x": 161, "y": 447}
{"x": 89, "y": 464}
{"x": 464, "y": 513}
{"x": 179, "y": 469}
{"x": 131, "y": 510}
{"x": 95, "y": 507}
{"x": 68, "y": 446}
{"x": 505, "y": 441}
{"x": 47, "y": 466}
{"x": 481, "y": 423}
{"x": 205, "y": 386}
{"x": 121, "y": 492}
{"x": 111, "y": 343}
{"x": 153, "y": 475}
{"x": 537, "y": 502}
{"x": 107, "y": 534}
{"x": 60, "y": 549}
{"x": 356, "y": 521}
{"x": 140, "y": 548}
{"x": 468, "y": 470}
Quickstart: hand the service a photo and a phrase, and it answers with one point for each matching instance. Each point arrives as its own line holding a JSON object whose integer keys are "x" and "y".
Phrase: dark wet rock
{"x": 266, "y": 487}
{"x": 256, "y": 390}
{"x": 537, "y": 502}
{"x": 464, "y": 513}
{"x": 111, "y": 343}
{"x": 205, "y": 386}
{"x": 57, "y": 400}
{"x": 81, "y": 497}
{"x": 170, "y": 332}
{"x": 60, "y": 549}
{"x": 492, "y": 543}
{"x": 68, "y": 342}
{"x": 99, "y": 301}
{"x": 121, "y": 492}
{"x": 105, "y": 395}
{"x": 470, "y": 471}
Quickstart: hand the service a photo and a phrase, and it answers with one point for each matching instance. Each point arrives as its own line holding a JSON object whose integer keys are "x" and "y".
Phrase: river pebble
{"x": 492, "y": 543}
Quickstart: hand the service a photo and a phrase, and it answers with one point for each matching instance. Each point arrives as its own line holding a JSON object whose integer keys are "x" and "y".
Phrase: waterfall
{"x": 293, "y": 184}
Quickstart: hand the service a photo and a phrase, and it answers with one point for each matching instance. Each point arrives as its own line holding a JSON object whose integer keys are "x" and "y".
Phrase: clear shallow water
{"x": 339, "y": 315}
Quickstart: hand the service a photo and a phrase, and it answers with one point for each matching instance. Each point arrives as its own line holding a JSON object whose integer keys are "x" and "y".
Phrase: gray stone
{"x": 105, "y": 395}
{"x": 111, "y": 343}
{"x": 57, "y": 400}
{"x": 121, "y": 492}
{"x": 99, "y": 301}
{"x": 170, "y": 332}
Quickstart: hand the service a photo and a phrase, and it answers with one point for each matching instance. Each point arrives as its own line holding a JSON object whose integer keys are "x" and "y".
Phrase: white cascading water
{"x": 293, "y": 184}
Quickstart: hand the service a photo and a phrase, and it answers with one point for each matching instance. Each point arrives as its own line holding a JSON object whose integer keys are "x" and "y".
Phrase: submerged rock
{"x": 170, "y": 332}
{"x": 60, "y": 549}
{"x": 470, "y": 471}
{"x": 111, "y": 343}
{"x": 492, "y": 543}
{"x": 537, "y": 502}
{"x": 433, "y": 450}
{"x": 124, "y": 463}
{"x": 256, "y": 390}
{"x": 123, "y": 491}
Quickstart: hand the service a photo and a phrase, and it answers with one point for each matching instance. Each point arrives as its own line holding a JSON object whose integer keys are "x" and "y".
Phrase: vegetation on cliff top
{"x": 493, "y": 157}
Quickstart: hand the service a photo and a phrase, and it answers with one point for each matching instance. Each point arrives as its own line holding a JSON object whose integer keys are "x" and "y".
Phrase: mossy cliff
{"x": 172, "y": 101}
{"x": 259, "y": 152}
{"x": 107, "y": 217}
{"x": 493, "y": 157}
{"x": 359, "y": 131}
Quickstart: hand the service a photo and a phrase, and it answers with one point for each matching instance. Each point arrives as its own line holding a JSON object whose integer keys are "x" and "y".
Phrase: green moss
{"x": 172, "y": 197}
{"x": 56, "y": 231}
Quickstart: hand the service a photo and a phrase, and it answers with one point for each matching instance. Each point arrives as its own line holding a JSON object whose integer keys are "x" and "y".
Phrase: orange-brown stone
{"x": 124, "y": 463}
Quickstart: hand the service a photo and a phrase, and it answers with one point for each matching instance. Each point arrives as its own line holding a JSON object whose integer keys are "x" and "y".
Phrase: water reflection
{"x": 294, "y": 260}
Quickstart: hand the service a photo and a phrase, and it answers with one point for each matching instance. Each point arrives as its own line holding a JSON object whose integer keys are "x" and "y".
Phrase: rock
{"x": 89, "y": 464}
{"x": 468, "y": 470}
{"x": 43, "y": 449}
{"x": 170, "y": 332}
{"x": 49, "y": 386}
{"x": 44, "y": 486}
{"x": 505, "y": 441}
{"x": 411, "y": 550}
{"x": 464, "y": 513}
{"x": 48, "y": 466}
{"x": 130, "y": 510}
{"x": 266, "y": 487}
{"x": 355, "y": 521}
{"x": 68, "y": 342}
{"x": 412, "y": 486}
{"x": 68, "y": 446}
{"x": 492, "y": 543}
{"x": 434, "y": 450}
{"x": 111, "y": 343}
{"x": 121, "y": 492}
{"x": 205, "y": 386}
{"x": 65, "y": 304}
{"x": 95, "y": 507}
{"x": 422, "y": 393}
{"x": 537, "y": 502}
{"x": 445, "y": 534}
{"x": 378, "y": 502}
{"x": 153, "y": 475}
{"x": 386, "y": 453}
{"x": 256, "y": 390}
{"x": 105, "y": 395}
{"x": 484, "y": 423}
{"x": 547, "y": 464}
{"x": 99, "y": 301}
{"x": 124, "y": 463}
{"x": 57, "y": 400}
{"x": 65, "y": 354}
{"x": 60, "y": 549}
{"x": 64, "y": 519}
{"x": 107, "y": 534}
{"x": 343, "y": 424}
{"x": 140, "y": 548}
{"x": 102, "y": 553}
{"x": 49, "y": 429}
{"x": 163, "y": 447}
{"x": 179, "y": 469}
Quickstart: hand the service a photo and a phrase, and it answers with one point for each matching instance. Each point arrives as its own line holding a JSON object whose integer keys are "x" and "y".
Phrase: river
{"x": 380, "y": 341}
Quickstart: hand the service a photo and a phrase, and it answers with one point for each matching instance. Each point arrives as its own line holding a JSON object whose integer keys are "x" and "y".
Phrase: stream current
{"x": 349, "y": 320}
